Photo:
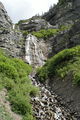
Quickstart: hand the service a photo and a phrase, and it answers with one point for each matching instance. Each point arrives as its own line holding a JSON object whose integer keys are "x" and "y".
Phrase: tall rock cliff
{"x": 66, "y": 14}
{"x": 10, "y": 39}
{"x": 66, "y": 17}
{"x": 40, "y": 37}
{"x": 5, "y": 21}
{"x": 37, "y": 49}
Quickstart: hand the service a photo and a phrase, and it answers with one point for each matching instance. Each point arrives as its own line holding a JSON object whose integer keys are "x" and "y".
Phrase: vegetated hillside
{"x": 55, "y": 38}
{"x": 60, "y": 34}
{"x": 62, "y": 74}
{"x": 62, "y": 71}
{"x": 14, "y": 77}
{"x": 65, "y": 13}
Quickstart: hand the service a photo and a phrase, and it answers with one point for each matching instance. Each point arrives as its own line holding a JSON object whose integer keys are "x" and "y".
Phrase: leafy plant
{"x": 14, "y": 77}
{"x": 25, "y": 33}
{"x": 45, "y": 33}
{"x": 61, "y": 64}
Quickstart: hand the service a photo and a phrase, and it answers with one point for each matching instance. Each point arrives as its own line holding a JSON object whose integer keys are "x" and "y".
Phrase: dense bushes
{"x": 61, "y": 64}
{"x": 25, "y": 32}
{"x": 14, "y": 77}
{"x": 45, "y": 33}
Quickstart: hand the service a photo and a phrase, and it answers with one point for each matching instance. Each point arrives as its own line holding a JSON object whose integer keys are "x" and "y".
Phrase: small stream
{"x": 45, "y": 106}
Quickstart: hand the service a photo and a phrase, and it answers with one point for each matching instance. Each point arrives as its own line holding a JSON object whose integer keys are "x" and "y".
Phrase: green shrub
{"x": 34, "y": 91}
{"x": 61, "y": 64}
{"x": 28, "y": 117}
{"x": 42, "y": 74}
{"x": 65, "y": 27}
{"x": 14, "y": 77}
{"x": 45, "y": 33}
{"x": 20, "y": 102}
{"x": 8, "y": 83}
{"x": 8, "y": 70}
{"x": 25, "y": 33}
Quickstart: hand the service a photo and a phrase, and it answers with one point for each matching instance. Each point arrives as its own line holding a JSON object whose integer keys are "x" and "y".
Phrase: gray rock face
{"x": 64, "y": 14}
{"x": 10, "y": 40}
{"x": 76, "y": 3}
{"x": 5, "y": 21}
{"x": 65, "y": 40}
{"x": 35, "y": 24}
{"x": 12, "y": 43}
{"x": 36, "y": 49}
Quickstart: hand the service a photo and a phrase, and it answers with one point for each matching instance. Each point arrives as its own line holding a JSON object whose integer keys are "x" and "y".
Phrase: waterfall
{"x": 27, "y": 48}
{"x": 13, "y": 26}
{"x": 45, "y": 106}
{"x": 34, "y": 55}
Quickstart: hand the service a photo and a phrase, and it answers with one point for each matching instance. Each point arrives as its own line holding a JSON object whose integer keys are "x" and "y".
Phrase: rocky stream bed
{"x": 46, "y": 106}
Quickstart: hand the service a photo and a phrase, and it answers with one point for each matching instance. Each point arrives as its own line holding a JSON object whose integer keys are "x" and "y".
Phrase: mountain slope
{"x": 62, "y": 74}
{"x": 55, "y": 35}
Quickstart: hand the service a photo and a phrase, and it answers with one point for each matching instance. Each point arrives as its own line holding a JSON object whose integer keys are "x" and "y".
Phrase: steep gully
{"x": 45, "y": 105}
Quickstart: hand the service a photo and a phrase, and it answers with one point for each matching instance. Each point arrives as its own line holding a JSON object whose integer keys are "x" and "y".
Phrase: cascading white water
{"x": 45, "y": 106}
{"x": 13, "y": 26}
{"x": 34, "y": 55}
{"x": 27, "y": 48}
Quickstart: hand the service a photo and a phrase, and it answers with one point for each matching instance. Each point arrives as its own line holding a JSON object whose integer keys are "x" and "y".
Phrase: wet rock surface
{"x": 46, "y": 106}
{"x": 35, "y": 51}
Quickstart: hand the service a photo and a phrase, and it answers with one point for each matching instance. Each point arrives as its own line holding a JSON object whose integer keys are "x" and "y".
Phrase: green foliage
{"x": 34, "y": 91}
{"x": 14, "y": 77}
{"x": 50, "y": 32}
{"x": 65, "y": 27}
{"x": 61, "y": 64}
{"x": 42, "y": 74}
{"x": 25, "y": 33}
{"x": 3, "y": 114}
{"x": 8, "y": 70}
{"x": 45, "y": 33}
{"x": 20, "y": 101}
{"x": 28, "y": 117}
